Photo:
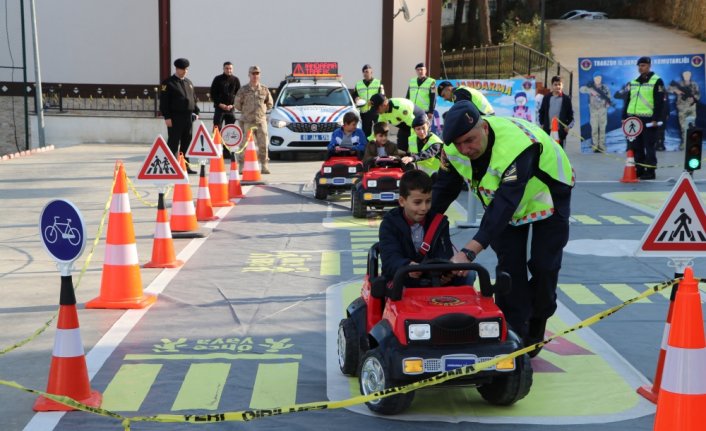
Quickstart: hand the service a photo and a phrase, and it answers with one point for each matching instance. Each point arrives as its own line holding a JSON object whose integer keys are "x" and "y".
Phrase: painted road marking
{"x": 275, "y": 385}
{"x": 202, "y": 387}
{"x": 615, "y": 219}
{"x": 129, "y": 387}
{"x": 642, "y": 219}
{"x": 584, "y": 219}
{"x": 580, "y": 294}
{"x": 624, "y": 292}
{"x": 330, "y": 263}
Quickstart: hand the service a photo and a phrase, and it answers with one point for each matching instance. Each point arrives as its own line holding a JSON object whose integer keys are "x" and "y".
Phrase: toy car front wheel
{"x": 375, "y": 376}
{"x": 360, "y": 210}
{"x": 507, "y": 389}
{"x": 320, "y": 193}
{"x": 348, "y": 347}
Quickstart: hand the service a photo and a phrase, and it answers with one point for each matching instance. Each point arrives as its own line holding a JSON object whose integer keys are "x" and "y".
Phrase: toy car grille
{"x": 312, "y": 127}
{"x": 341, "y": 171}
{"x": 387, "y": 184}
{"x": 454, "y": 329}
{"x": 432, "y": 366}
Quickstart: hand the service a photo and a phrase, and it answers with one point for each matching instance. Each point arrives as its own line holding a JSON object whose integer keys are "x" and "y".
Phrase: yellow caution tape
{"x": 250, "y": 415}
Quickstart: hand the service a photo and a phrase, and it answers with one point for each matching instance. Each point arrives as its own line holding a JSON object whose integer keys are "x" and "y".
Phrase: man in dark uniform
{"x": 524, "y": 180}
{"x": 223, "y": 89}
{"x": 178, "y": 105}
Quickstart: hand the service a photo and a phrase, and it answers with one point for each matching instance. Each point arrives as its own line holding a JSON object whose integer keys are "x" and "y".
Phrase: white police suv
{"x": 307, "y": 111}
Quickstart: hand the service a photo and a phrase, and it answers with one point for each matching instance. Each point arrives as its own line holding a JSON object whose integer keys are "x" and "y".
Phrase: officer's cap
{"x": 377, "y": 100}
{"x": 254, "y": 69}
{"x": 442, "y": 86}
{"x": 419, "y": 65}
{"x": 366, "y": 67}
{"x": 420, "y": 120}
{"x": 181, "y": 63}
{"x": 461, "y": 118}
{"x": 645, "y": 60}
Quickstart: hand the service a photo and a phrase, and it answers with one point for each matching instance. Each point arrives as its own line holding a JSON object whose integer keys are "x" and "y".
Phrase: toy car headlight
{"x": 398, "y": 183}
{"x": 327, "y": 169}
{"x": 489, "y": 329}
{"x": 372, "y": 183}
{"x": 352, "y": 170}
{"x": 278, "y": 123}
{"x": 419, "y": 331}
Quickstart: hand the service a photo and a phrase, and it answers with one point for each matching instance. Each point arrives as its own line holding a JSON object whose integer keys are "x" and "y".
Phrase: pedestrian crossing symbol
{"x": 160, "y": 165}
{"x": 202, "y": 145}
{"x": 679, "y": 229}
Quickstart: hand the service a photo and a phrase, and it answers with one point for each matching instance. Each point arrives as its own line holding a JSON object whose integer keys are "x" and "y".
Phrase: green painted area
{"x": 615, "y": 219}
{"x": 649, "y": 201}
{"x": 129, "y": 387}
{"x": 330, "y": 263}
{"x": 642, "y": 219}
{"x": 624, "y": 292}
{"x": 349, "y": 293}
{"x": 584, "y": 219}
{"x": 209, "y": 356}
{"x": 202, "y": 387}
{"x": 275, "y": 385}
{"x": 580, "y": 294}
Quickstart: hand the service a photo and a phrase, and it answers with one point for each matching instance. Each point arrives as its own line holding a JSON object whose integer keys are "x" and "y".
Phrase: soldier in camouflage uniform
{"x": 253, "y": 101}
{"x": 688, "y": 95}
{"x": 599, "y": 101}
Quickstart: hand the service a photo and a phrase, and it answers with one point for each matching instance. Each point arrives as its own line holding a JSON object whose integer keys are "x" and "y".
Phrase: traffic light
{"x": 692, "y": 152}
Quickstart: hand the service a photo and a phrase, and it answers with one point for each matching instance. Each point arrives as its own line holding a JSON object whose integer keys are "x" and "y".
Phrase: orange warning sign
{"x": 160, "y": 165}
{"x": 202, "y": 145}
{"x": 315, "y": 68}
{"x": 679, "y": 229}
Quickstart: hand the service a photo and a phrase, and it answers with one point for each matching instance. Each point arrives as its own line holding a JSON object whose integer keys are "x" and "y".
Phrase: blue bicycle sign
{"x": 62, "y": 230}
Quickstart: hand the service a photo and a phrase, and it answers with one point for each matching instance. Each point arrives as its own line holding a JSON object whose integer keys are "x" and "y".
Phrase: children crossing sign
{"x": 679, "y": 229}
{"x": 160, "y": 165}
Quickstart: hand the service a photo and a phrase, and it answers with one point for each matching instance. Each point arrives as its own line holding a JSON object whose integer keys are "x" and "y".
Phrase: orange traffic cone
{"x": 163, "y": 246}
{"x": 251, "y": 167}
{"x": 204, "y": 209}
{"x": 68, "y": 374}
{"x": 217, "y": 180}
{"x": 121, "y": 282}
{"x": 183, "y": 221}
{"x": 235, "y": 191}
{"x": 682, "y": 397}
{"x": 629, "y": 172}
{"x": 555, "y": 130}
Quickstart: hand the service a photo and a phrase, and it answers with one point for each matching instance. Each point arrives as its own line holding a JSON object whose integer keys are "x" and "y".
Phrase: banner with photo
{"x": 603, "y": 92}
{"x": 509, "y": 97}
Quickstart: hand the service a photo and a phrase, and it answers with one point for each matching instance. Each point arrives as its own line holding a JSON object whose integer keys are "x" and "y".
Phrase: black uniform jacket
{"x": 223, "y": 89}
{"x": 177, "y": 97}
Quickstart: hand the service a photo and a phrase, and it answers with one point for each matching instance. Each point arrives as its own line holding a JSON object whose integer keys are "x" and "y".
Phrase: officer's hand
{"x": 460, "y": 257}
{"x": 168, "y": 122}
{"x": 407, "y": 159}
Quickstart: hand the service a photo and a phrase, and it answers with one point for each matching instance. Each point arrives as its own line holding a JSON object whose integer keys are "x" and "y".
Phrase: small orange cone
{"x": 121, "y": 282}
{"x": 163, "y": 247}
{"x": 682, "y": 397}
{"x": 68, "y": 374}
{"x": 629, "y": 172}
{"x": 204, "y": 209}
{"x": 555, "y": 130}
{"x": 217, "y": 180}
{"x": 183, "y": 218}
{"x": 251, "y": 167}
{"x": 235, "y": 191}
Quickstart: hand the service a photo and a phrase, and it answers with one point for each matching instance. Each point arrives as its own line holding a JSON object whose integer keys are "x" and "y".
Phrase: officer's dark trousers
{"x": 533, "y": 298}
{"x": 645, "y": 152}
{"x": 179, "y": 133}
{"x": 368, "y": 119}
{"x": 221, "y": 117}
{"x": 403, "y": 136}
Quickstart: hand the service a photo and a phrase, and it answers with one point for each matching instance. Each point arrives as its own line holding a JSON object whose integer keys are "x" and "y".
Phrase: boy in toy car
{"x": 410, "y": 233}
{"x": 347, "y": 137}
{"x": 381, "y": 146}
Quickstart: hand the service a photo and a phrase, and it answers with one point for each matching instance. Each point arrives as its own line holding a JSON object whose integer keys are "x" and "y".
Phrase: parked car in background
{"x": 583, "y": 14}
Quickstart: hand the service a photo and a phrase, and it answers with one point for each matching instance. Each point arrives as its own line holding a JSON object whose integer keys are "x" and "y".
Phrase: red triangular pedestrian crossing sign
{"x": 160, "y": 165}
{"x": 679, "y": 229}
{"x": 202, "y": 145}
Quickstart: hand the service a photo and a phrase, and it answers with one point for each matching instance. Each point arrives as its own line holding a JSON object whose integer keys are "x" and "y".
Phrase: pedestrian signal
{"x": 692, "y": 152}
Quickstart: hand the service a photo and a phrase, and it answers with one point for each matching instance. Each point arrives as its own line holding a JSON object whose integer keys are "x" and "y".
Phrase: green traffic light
{"x": 694, "y": 163}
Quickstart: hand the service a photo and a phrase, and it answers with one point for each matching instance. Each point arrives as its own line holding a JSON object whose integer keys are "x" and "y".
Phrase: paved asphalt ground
{"x": 233, "y": 296}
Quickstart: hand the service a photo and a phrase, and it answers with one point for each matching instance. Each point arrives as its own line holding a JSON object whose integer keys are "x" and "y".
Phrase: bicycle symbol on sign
{"x": 51, "y": 233}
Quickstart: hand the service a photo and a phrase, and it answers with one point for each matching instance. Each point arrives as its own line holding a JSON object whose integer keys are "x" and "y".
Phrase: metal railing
{"x": 501, "y": 62}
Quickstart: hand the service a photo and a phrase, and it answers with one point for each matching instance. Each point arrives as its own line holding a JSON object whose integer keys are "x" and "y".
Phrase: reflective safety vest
{"x": 642, "y": 97}
{"x": 429, "y": 165}
{"x": 365, "y": 92}
{"x": 478, "y": 99}
{"x": 402, "y": 112}
{"x": 419, "y": 94}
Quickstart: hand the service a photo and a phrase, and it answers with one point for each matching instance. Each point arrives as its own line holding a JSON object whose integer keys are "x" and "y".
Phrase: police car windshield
{"x": 321, "y": 96}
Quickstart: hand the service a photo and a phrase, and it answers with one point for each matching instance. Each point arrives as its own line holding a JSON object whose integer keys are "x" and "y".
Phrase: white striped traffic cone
{"x": 163, "y": 247}
{"x": 204, "y": 209}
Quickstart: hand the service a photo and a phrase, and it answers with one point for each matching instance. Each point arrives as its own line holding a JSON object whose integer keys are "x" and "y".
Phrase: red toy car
{"x": 393, "y": 336}
{"x": 379, "y": 186}
{"x": 338, "y": 173}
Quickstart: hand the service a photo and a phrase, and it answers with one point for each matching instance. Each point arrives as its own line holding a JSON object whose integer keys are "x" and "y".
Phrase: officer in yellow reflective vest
{"x": 524, "y": 180}
{"x": 646, "y": 102}
{"x": 364, "y": 90}
{"x": 422, "y": 91}
{"x": 455, "y": 94}
{"x": 424, "y": 147}
{"x": 399, "y": 112}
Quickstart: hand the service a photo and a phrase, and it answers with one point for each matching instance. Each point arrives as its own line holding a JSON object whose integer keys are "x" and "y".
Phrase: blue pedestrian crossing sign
{"x": 62, "y": 230}
{"x": 679, "y": 229}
